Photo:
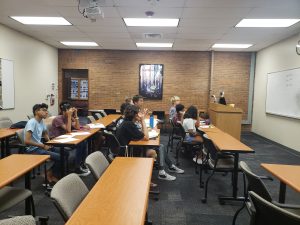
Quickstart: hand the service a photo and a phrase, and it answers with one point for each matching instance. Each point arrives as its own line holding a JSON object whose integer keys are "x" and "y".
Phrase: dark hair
{"x": 37, "y": 107}
{"x": 123, "y": 107}
{"x": 204, "y": 115}
{"x": 128, "y": 100}
{"x": 136, "y": 98}
{"x": 191, "y": 112}
{"x": 179, "y": 108}
{"x": 64, "y": 106}
{"x": 130, "y": 112}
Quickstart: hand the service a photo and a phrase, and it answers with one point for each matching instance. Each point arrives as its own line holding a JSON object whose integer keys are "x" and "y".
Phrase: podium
{"x": 226, "y": 118}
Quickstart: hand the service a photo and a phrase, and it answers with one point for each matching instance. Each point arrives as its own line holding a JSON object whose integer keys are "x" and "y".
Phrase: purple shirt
{"x": 57, "y": 123}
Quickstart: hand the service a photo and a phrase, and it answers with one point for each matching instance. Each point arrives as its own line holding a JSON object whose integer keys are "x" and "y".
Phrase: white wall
{"x": 280, "y": 56}
{"x": 35, "y": 68}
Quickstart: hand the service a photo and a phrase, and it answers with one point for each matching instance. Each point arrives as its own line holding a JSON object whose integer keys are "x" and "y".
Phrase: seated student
{"x": 63, "y": 124}
{"x": 129, "y": 100}
{"x": 178, "y": 117}
{"x": 122, "y": 110}
{"x": 204, "y": 117}
{"x": 34, "y": 130}
{"x": 128, "y": 131}
{"x": 175, "y": 100}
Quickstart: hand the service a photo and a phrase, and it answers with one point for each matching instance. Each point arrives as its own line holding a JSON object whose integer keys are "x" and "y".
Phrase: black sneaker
{"x": 81, "y": 173}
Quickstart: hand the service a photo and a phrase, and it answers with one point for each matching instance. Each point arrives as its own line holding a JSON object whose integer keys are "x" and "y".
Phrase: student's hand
{"x": 146, "y": 111}
{"x": 70, "y": 112}
{"x": 75, "y": 111}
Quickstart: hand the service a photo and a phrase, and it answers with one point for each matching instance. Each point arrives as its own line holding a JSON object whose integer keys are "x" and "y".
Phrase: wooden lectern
{"x": 226, "y": 118}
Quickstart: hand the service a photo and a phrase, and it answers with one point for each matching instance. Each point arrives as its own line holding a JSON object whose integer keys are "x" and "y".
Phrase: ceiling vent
{"x": 152, "y": 36}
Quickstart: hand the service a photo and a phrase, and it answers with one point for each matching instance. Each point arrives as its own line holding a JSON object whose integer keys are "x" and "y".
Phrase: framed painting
{"x": 151, "y": 81}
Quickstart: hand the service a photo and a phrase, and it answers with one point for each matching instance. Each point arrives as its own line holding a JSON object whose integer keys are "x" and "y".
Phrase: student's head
{"x": 175, "y": 100}
{"x": 204, "y": 115}
{"x": 179, "y": 108}
{"x": 129, "y": 100}
{"x": 131, "y": 112}
{"x": 138, "y": 100}
{"x": 191, "y": 112}
{"x": 222, "y": 93}
{"x": 64, "y": 106}
{"x": 123, "y": 107}
{"x": 40, "y": 110}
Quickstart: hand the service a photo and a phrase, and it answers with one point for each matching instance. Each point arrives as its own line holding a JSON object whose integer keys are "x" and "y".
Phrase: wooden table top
{"x": 16, "y": 165}
{"x": 151, "y": 142}
{"x": 120, "y": 197}
{"x": 226, "y": 142}
{"x": 288, "y": 174}
{"x": 7, "y": 132}
{"x": 108, "y": 119}
{"x": 79, "y": 138}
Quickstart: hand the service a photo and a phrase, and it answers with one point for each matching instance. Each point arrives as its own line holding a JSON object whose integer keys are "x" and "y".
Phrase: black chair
{"x": 173, "y": 135}
{"x": 217, "y": 162}
{"x": 255, "y": 184}
{"x": 265, "y": 212}
{"x": 110, "y": 111}
{"x": 114, "y": 147}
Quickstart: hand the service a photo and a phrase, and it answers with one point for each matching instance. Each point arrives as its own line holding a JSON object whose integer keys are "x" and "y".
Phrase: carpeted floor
{"x": 180, "y": 200}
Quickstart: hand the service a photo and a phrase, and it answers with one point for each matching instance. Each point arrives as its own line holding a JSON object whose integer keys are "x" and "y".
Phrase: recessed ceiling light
{"x": 154, "y": 45}
{"x": 151, "y": 22}
{"x": 231, "y": 45}
{"x": 267, "y": 22}
{"x": 30, "y": 20}
{"x": 78, "y": 43}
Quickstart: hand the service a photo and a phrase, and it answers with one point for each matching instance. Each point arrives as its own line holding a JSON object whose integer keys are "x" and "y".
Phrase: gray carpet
{"x": 180, "y": 201}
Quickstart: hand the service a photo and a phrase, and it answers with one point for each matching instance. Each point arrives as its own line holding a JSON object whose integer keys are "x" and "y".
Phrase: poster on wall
{"x": 151, "y": 81}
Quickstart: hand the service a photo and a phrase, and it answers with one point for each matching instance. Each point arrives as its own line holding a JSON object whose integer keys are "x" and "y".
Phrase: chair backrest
{"x": 19, "y": 220}
{"x": 20, "y": 136}
{"x": 255, "y": 183}
{"x": 113, "y": 143}
{"x": 68, "y": 193}
{"x": 210, "y": 147}
{"x": 97, "y": 163}
{"x": 268, "y": 213}
{"x": 98, "y": 115}
{"x": 181, "y": 130}
{"x": 102, "y": 112}
{"x": 160, "y": 114}
{"x": 5, "y": 122}
{"x": 91, "y": 119}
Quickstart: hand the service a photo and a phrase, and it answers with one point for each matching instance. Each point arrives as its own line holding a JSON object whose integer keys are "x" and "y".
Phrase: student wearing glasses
{"x": 34, "y": 131}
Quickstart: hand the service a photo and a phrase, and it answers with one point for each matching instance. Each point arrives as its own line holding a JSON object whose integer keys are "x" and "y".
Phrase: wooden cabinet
{"x": 226, "y": 118}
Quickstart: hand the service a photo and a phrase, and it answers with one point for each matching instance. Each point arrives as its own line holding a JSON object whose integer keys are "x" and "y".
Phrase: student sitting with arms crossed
{"x": 63, "y": 124}
{"x": 128, "y": 131}
{"x": 33, "y": 132}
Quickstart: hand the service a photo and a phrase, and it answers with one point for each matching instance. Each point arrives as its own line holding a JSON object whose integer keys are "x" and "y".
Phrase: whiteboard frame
{"x": 8, "y": 84}
{"x": 272, "y": 113}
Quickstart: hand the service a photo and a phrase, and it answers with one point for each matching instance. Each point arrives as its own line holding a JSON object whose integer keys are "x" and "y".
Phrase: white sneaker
{"x": 199, "y": 160}
{"x": 175, "y": 169}
{"x": 164, "y": 176}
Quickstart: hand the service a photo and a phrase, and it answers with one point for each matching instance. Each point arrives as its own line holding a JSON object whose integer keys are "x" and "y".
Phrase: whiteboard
{"x": 283, "y": 93}
{"x": 7, "y": 90}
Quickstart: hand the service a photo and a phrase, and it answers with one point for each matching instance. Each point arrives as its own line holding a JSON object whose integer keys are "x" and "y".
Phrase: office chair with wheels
{"x": 255, "y": 184}
{"x": 91, "y": 119}
{"x": 67, "y": 194}
{"x": 265, "y": 212}
{"x": 102, "y": 112}
{"x": 97, "y": 163}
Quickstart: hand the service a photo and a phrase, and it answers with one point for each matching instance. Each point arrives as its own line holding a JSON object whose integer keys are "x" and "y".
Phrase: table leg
{"x": 234, "y": 196}
{"x": 62, "y": 162}
{"x": 7, "y": 149}
{"x": 27, "y": 186}
{"x": 282, "y": 191}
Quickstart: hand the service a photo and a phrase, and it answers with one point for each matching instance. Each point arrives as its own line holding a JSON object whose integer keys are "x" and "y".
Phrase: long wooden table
{"x": 80, "y": 138}
{"x": 120, "y": 197}
{"x": 227, "y": 143}
{"x": 5, "y": 134}
{"x": 287, "y": 175}
{"x": 107, "y": 120}
{"x": 14, "y": 166}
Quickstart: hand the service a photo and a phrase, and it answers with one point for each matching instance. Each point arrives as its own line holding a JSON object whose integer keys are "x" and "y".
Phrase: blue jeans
{"x": 81, "y": 153}
{"x": 54, "y": 156}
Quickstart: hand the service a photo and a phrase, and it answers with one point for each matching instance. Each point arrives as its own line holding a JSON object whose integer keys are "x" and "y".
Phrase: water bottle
{"x": 151, "y": 122}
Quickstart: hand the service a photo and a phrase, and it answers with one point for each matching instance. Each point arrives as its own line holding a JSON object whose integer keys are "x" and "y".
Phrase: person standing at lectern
{"x": 222, "y": 98}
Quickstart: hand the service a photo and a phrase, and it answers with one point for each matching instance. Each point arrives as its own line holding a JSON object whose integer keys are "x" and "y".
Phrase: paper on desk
{"x": 96, "y": 125}
{"x": 80, "y": 133}
{"x": 65, "y": 140}
{"x": 204, "y": 126}
{"x": 153, "y": 134}
{"x": 65, "y": 136}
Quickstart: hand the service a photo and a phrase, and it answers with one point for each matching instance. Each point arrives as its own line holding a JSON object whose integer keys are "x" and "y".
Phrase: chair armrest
{"x": 266, "y": 178}
{"x": 286, "y": 206}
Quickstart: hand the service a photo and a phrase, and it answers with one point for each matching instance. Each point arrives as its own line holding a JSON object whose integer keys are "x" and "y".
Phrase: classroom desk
{"x": 5, "y": 134}
{"x": 80, "y": 138}
{"x": 107, "y": 120}
{"x": 226, "y": 143}
{"x": 287, "y": 174}
{"x": 120, "y": 197}
{"x": 15, "y": 166}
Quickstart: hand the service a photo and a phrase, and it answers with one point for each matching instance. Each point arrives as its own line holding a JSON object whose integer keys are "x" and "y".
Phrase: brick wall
{"x": 115, "y": 74}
